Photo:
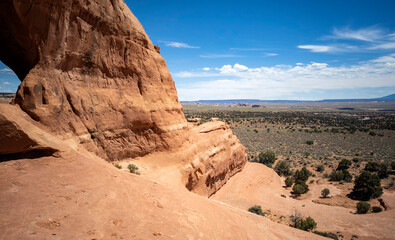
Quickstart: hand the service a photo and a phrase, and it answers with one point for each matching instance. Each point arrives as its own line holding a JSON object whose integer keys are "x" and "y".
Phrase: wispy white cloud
{"x": 219, "y": 56}
{"x": 368, "y": 39}
{"x": 319, "y": 48}
{"x": 388, "y": 45}
{"x": 369, "y": 34}
{"x": 330, "y": 48}
{"x": 240, "y": 81}
{"x": 389, "y": 59}
{"x": 271, "y": 54}
{"x": 6, "y": 83}
{"x": 206, "y": 69}
{"x": 6, "y": 70}
{"x": 178, "y": 44}
{"x": 250, "y": 49}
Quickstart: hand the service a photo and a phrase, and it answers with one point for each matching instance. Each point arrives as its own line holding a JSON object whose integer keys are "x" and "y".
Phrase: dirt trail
{"x": 258, "y": 184}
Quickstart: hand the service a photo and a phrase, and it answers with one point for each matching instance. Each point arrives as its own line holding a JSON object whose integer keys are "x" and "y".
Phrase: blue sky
{"x": 271, "y": 49}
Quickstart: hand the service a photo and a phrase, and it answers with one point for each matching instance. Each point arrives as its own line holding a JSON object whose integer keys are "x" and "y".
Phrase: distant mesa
{"x": 7, "y": 95}
{"x": 257, "y": 106}
{"x": 255, "y": 102}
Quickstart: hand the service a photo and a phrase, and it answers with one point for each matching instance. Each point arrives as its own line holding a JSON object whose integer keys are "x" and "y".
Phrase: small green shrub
{"x": 371, "y": 133}
{"x": 267, "y": 158}
{"x": 347, "y": 176}
{"x": 289, "y": 182}
{"x": 336, "y": 176}
{"x": 133, "y": 169}
{"x": 320, "y": 168}
{"x": 382, "y": 172}
{"x": 325, "y": 192}
{"x": 344, "y": 164}
{"x": 376, "y": 209}
{"x": 307, "y": 224}
{"x": 309, "y": 142}
{"x": 302, "y": 175}
{"x": 202, "y": 121}
{"x": 283, "y": 168}
{"x": 381, "y": 169}
{"x": 300, "y": 188}
{"x": 340, "y": 175}
{"x": 256, "y": 209}
{"x": 355, "y": 160}
{"x": 363, "y": 207}
{"x": 372, "y": 167}
{"x": 118, "y": 166}
{"x": 326, "y": 234}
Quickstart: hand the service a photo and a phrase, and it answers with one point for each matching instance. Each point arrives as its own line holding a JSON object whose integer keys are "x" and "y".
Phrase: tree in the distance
{"x": 325, "y": 192}
{"x": 300, "y": 188}
{"x": 288, "y": 182}
{"x": 302, "y": 175}
{"x": 344, "y": 165}
{"x": 366, "y": 186}
{"x": 283, "y": 168}
{"x": 372, "y": 167}
{"x": 363, "y": 207}
{"x": 267, "y": 158}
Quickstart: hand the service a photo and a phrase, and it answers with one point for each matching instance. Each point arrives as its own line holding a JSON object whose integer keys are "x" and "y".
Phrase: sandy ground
{"x": 5, "y": 100}
{"x": 260, "y": 185}
{"x": 79, "y": 196}
{"x": 76, "y": 195}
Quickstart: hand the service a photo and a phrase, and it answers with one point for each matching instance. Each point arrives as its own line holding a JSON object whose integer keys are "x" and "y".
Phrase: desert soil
{"x": 260, "y": 185}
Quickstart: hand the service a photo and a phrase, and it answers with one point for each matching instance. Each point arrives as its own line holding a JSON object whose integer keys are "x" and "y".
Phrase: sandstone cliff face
{"x": 216, "y": 156}
{"x": 90, "y": 74}
{"x": 89, "y": 70}
{"x": 209, "y": 156}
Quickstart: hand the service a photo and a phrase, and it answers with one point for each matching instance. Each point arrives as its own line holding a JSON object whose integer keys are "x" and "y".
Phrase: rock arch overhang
{"x": 90, "y": 76}
{"x": 88, "y": 70}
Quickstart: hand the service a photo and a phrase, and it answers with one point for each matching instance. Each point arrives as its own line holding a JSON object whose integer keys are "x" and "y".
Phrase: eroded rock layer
{"x": 90, "y": 75}
{"x": 217, "y": 156}
{"x": 209, "y": 156}
{"x": 89, "y": 70}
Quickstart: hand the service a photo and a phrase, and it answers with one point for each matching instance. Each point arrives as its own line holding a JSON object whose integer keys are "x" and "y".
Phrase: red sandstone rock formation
{"x": 92, "y": 80}
{"x": 90, "y": 74}
{"x": 89, "y": 70}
